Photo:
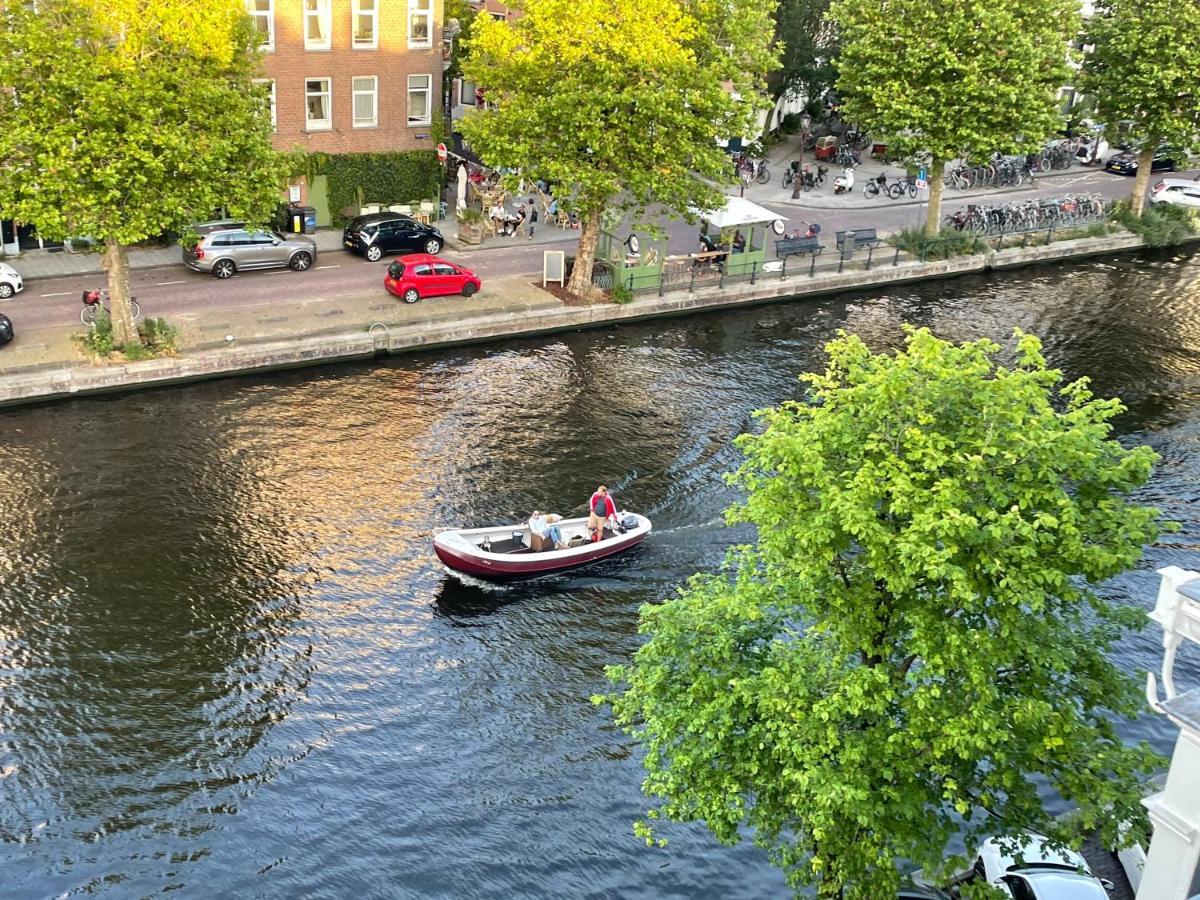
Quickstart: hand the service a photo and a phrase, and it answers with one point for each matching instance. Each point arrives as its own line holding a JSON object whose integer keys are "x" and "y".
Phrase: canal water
{"x": 231, "y": 665}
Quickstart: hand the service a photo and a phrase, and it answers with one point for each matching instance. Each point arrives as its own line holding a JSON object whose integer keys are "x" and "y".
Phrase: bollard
{"x": 662, "y": 280}
{"x": 753, "y": 270}
{"x": 812, "y": 266}
{"x": 870, "y": 253}
{"x": 896, "y": 258}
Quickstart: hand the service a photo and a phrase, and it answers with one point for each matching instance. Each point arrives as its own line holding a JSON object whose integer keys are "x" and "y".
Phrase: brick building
{"x": 350, "y": 76}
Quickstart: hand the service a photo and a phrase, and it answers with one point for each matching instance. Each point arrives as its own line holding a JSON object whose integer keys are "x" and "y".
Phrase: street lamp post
{"x": 805, "y": 121}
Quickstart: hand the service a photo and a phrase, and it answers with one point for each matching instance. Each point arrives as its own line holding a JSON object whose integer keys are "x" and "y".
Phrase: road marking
{"x": 165, "y": 283}
{"x": 338, "y": 266}
{"x": 61, "y": 294}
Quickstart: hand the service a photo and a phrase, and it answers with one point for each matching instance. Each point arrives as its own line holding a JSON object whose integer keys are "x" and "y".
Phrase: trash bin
{"x": 302, "y": 219}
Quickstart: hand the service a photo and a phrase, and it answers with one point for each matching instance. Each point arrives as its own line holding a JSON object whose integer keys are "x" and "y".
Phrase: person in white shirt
{"x": 544, "y": 526}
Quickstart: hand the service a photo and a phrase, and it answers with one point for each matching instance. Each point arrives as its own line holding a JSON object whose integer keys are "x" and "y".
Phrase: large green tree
{"x": 914, "y": 646}
{"x": 619, "y": 103}
{"x": 126, "y": 119}
{"x": 963, "y": 79}
{"x": 1144, "y": 73}
{"x": 807, "y": 43}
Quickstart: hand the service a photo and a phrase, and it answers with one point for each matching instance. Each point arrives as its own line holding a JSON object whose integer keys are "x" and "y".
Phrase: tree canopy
{"x": 619, "y": 102}
{"x": 808, "y": 46}
{"x": 963, "y": 79}
{"x": 1144, "y": 71}
{"x": 914, "y": 646}
{"x": 129, "y": 119}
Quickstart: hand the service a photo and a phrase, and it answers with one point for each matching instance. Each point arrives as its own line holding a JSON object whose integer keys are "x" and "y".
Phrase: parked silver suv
{"x": 225, "y": 248}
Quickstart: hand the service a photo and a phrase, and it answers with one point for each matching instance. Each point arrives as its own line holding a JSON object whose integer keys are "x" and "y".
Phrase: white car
{"x": 1177, "y": 191}
{"x": 1033, "y": 871}
{"x": 10, "y": 281}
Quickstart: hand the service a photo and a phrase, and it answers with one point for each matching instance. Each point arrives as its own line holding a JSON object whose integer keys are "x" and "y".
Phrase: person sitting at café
{"x": 497, "y": 215}
{"x": 544, "y": 526}
{"x": 739, "y": 242}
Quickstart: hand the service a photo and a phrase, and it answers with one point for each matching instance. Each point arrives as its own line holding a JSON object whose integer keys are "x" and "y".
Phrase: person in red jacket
{"x": 601, "y": 511}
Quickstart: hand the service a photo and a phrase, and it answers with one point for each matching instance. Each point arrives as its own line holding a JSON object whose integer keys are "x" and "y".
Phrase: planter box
{"x": 470, "y": 232}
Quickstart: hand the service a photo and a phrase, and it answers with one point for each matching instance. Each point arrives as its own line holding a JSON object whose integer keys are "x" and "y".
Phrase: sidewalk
{"x": 53, "y": 347}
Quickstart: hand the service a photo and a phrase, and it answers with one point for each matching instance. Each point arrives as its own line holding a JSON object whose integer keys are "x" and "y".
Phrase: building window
{"x": 316, "y": 24}
{"x": 466, "y": 92}
{"x": 366, "y": 100}
{"x": 365, "y": 16}
{"x": 268, "y": 88}
{"x": 318, "y": 104}
{"x": 420, "y": 23}
{"x": 263, "y": 13}
{"x": 500, "y": 17}
{"x": 419, "y": 89}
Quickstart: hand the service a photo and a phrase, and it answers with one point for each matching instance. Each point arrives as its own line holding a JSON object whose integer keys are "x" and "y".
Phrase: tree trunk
{"x": 581, "y": 276}
{"x": 933, "y": 222}
{"x": 1145, "y": 159}
{"x": 116, "y": 264}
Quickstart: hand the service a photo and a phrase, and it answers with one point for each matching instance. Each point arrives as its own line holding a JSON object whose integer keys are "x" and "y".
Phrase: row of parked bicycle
{"x": 1017, "y": 169}
{"x": 1029, "y": 215}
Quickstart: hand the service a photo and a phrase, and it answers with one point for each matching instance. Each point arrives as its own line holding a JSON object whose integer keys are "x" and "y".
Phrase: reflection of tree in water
{"x": 146, "y": 634}
{"x": 598, "y": 405}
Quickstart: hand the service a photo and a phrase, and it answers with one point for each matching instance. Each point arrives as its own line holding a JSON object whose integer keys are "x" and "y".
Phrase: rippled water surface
{"x": 230, "y": 663}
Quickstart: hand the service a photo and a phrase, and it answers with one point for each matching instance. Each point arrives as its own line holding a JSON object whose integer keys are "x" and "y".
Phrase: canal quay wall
{"x": 510, "y": 308}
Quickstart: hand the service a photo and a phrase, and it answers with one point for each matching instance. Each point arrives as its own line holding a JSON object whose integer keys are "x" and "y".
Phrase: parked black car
{"x": 1127, "y": 163}
{"x": 6, "y": 330}
{"x": 375, "y": 234}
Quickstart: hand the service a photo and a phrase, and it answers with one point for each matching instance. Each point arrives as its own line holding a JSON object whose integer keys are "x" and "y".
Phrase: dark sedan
{"x": 1127, "y": 163}
{"x": 375, "y": 234}
{"x": 6, "y": 330}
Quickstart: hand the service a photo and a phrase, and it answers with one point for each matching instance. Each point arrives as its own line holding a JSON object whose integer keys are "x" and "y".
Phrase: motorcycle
{"x": 844, "y": 182}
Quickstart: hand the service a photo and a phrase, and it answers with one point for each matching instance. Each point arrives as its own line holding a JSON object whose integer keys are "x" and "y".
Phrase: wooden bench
{"x": 794, "y": 246}
{"x": 849, "y": 241}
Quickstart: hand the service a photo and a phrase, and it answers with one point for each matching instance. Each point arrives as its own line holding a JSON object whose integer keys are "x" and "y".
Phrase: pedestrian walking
{"x": 532, "y": 220}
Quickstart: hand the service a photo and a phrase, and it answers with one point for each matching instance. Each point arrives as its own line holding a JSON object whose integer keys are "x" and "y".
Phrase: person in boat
{"x": 602, "y": 511}
{"x": 545, "y": 526}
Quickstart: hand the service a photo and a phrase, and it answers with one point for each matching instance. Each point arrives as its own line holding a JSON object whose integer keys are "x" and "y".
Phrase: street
{"x": 169, "y": 290}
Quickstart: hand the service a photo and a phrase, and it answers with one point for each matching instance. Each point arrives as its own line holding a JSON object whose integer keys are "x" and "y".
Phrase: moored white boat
{"x": 504, "y": 552}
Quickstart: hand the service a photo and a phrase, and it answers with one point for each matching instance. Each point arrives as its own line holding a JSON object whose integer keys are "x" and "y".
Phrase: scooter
{"x": 844, "y": 182}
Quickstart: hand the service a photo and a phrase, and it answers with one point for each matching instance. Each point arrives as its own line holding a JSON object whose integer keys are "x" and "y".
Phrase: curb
{"x": 31, "y": 386}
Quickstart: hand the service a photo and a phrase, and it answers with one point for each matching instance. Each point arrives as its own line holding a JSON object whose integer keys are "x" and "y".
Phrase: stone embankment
{"x": 515, "y": 308}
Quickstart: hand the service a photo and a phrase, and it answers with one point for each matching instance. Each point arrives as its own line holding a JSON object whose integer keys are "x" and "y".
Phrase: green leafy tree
{"x": 620, "y": 103}
{"x": 1144, "y": 73}
{"x": 963, "y": 79}
{"x": 807, "y": 43}
{"x": 914, "y": 646}
{"x": 464, "y": 14}
{"x": 127, "y": 119}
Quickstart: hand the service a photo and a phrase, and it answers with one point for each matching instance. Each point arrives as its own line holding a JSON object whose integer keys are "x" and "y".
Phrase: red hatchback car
{"x": 420, "y": 275}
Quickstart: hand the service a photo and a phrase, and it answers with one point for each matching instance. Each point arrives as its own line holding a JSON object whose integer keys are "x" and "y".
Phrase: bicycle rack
{"x": 382, "y": 338}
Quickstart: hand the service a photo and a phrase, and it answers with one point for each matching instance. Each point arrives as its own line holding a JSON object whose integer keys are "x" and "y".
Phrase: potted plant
{"x": 471, "y": 223}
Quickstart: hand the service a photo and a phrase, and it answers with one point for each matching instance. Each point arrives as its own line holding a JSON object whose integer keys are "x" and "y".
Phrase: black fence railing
{"x": 691, "y": 273}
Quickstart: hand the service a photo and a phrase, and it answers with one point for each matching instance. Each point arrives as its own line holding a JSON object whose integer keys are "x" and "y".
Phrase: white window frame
{"x": 323, "y": 13}
{"x": 325, "y": 124}
{"x": 418, "y": 9}
{"x": 252, "y": 7}
{"x": 274, "y": 116}
{"x": 373, "y": 93}
{"x": 428, "y": 91}
{"x": 357, "y": 12}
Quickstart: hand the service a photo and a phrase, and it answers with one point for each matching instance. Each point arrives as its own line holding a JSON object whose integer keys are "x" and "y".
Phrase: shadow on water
{"x": 230, "y": 663}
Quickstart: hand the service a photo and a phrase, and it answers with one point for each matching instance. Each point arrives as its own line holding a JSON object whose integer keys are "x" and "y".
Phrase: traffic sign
{"x": 441, "y": 149}
{"x": 922, "y": 181}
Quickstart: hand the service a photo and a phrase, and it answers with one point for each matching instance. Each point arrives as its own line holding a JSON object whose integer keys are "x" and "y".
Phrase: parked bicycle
{"x": 1029, "y": 215}
{"x": 847, "y": 157}
{"x": 750, "y": 169}
{"x": 93, "y": 305}
{"x": 879, "y": 185}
